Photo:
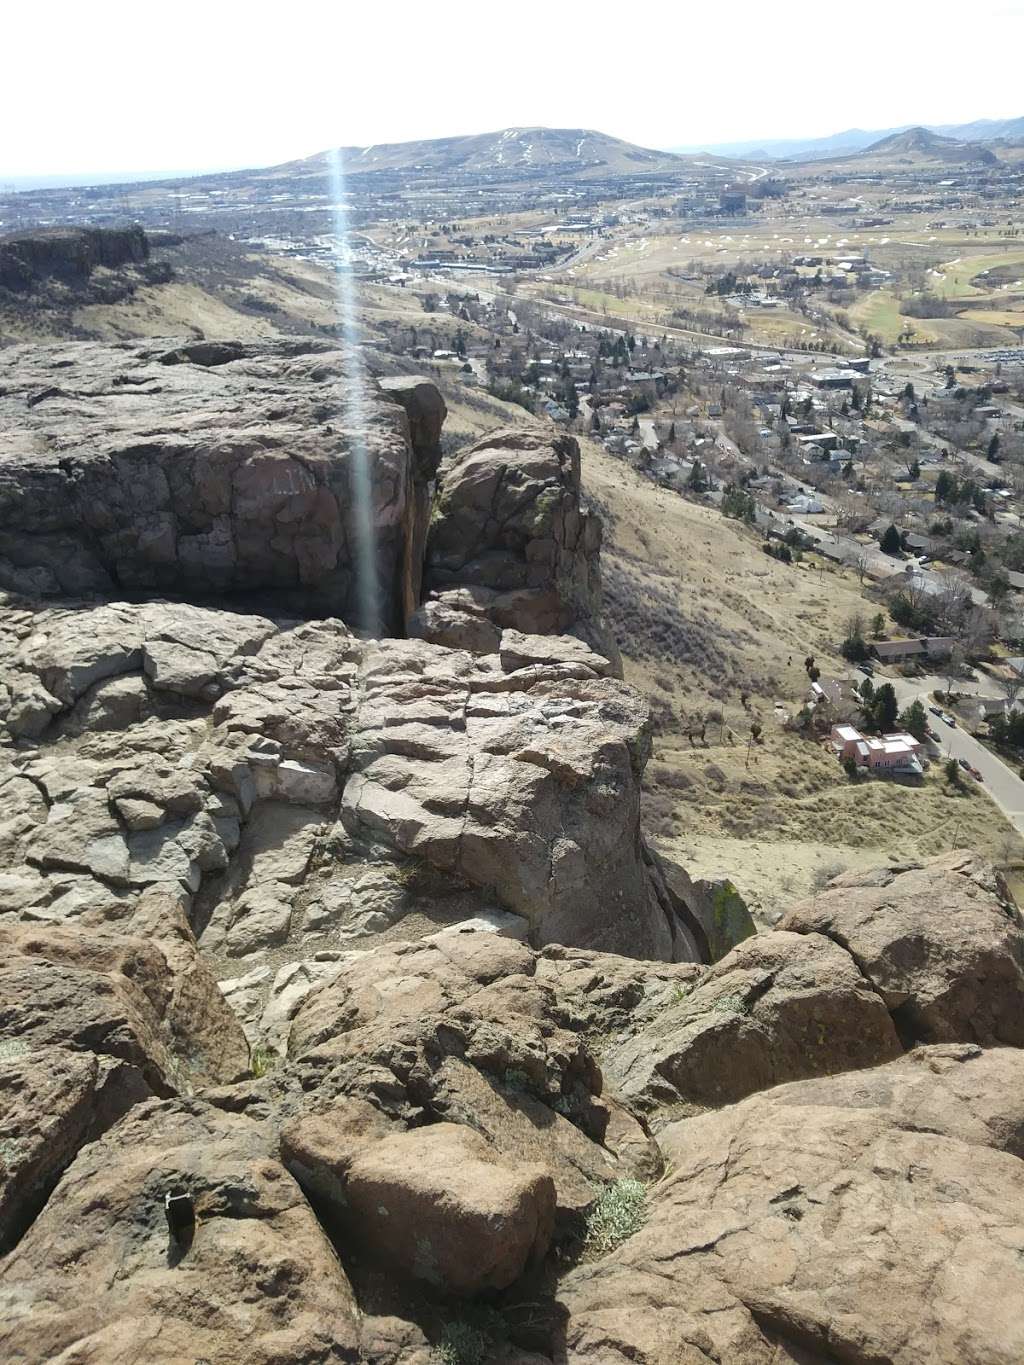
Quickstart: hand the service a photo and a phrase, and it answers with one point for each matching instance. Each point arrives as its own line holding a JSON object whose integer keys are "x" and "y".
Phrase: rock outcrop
{"x": 345, "y": 1014}
{"x": 941, "y": 943}
{"x": 451, "y": 1107}
{"x": 511, "y": 547}
{"x": 67, "y": 254}
{"x": 873, "y": 1217}
{"x": 213, "y": 468}
{"x": 98, "y": 1276}
{"x": 302, "y": 790}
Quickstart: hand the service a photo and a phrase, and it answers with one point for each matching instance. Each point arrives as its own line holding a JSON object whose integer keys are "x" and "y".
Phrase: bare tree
{"x": 1011, "y": 684}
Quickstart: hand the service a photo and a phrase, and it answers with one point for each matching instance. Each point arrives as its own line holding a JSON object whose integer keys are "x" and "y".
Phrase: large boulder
{"x": 459, "y": 1028}
{"x": 151, "y": 1003}
{"x": 215, "y": 467}
{"x": 941, "y": 942}
{"x": 439, "y": 1204}
{"x": 509, "y": 522}
{"x": 874, "y": 1216}
{"x": 52, "y": 1101}
{"x": 98, "y": 1277}
{"x": 777, "y": 1008}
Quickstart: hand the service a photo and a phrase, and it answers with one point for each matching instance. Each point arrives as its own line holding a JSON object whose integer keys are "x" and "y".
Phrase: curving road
{"x": 1000, "y": 781}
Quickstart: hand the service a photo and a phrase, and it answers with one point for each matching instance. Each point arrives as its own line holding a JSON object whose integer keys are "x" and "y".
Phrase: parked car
{"x": 948, "y": 719}
{"x": 964, "y": 764}
{"x": 867, "y": 670}
{"x": 936, "y": 711}
{"x": 931, "y": 734}
{"x": 976, "y": 775}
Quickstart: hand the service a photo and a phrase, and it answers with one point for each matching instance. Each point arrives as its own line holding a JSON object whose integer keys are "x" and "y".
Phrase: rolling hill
{"x": 923, "y": 143}
{"x": 517, "y": 151}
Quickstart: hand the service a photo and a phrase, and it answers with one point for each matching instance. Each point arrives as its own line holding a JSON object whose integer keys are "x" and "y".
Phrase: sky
{"x": 122, "y": 87}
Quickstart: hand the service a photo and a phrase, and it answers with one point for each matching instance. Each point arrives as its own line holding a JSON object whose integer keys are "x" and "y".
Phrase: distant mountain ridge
{"x": 517, "y": 150}
{"x": 855, "y": 140}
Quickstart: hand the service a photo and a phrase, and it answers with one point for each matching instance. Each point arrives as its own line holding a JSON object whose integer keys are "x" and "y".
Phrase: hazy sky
{"x": 119, "y": 86}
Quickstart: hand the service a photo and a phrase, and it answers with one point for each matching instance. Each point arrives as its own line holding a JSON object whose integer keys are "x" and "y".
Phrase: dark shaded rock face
{"x": 69, "y": 254}
{"x": 211, "y": 469}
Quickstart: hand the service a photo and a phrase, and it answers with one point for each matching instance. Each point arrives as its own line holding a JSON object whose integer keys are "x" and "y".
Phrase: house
{"x": 827, "y": 440}
{"x": 889, "y": 753}
{"x": 805, "y": 505}
{"x": 980, "y": 710}
{"x": 922, "y": 545}
{"x": 899, "y": 651}
{"x": 833, "y": 379}
{"x": 838, "y": 694}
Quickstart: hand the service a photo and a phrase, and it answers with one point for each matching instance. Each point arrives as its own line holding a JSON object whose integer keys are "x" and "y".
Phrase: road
{"x": 1000, "y": 781}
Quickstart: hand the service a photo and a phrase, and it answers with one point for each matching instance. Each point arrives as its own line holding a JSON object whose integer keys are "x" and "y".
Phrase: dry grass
{"x": 701, "y": 616}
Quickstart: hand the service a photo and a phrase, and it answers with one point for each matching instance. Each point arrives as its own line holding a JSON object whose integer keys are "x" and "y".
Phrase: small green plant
{"x": 615, "y": 1216}
{"x": 730, "y": 1004}
{"x": 262, "y": 1060}
{"x": 462, "y": 1344}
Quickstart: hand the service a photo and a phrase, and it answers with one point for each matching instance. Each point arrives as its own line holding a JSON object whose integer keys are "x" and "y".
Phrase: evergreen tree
{"x": 914, "y": 720}
{"x": 890, "y": 542}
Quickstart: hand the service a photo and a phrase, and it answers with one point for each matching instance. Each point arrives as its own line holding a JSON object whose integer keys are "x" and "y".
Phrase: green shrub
{"x": 615, "y": 1216}
{"x": 462, "y": 1344}
{"x": 262, "y": 1060}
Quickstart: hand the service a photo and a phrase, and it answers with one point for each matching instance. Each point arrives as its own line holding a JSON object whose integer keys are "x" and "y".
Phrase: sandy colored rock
{"x": 777, "y": 1008}
{"x": 98, "y": 1278}
{"x": 437, "y": 1203}
{"x": 510, "y": 519}
{"x": 871, "y": 1216}
{"x": 148, "y": 1002}
{"x": 938, "y": 941}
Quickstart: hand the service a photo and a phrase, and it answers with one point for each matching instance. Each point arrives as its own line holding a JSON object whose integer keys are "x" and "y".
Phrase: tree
{"x": 915, "y": 720}
{"x": 697, "y": 481}
{"x": 1011, "y": 685}
{"x": 890, "y": 542}
{"x": 881, "y": 711}
{"x": 993, "y": 448}
{"x": 952, "y": 771}
{"x": 877, "y": 626}
{"x": 853, "y": 646}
